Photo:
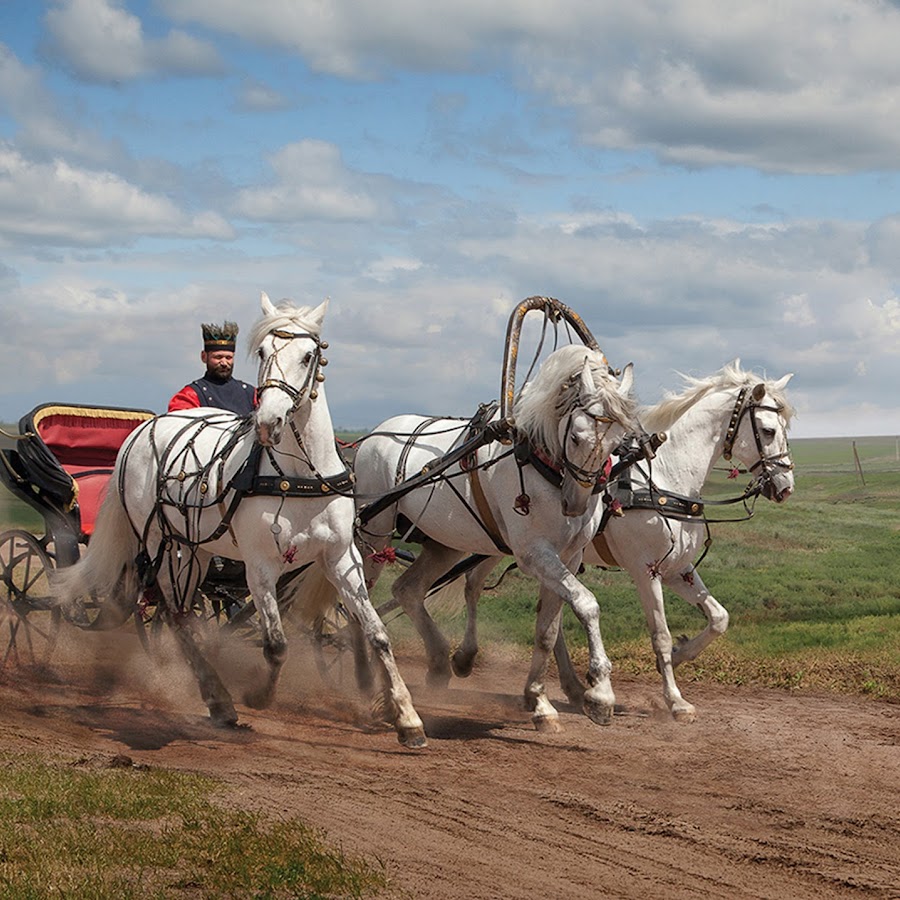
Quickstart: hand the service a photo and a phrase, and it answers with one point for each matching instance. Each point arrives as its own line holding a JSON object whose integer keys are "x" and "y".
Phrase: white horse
{"x": 539, "y": 503}
{"x": 198, "y": 483}
{"x": 730, "y": 413}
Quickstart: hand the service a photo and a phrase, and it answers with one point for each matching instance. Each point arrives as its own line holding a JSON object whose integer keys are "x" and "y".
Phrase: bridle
{"x": 313, "y": 375}
{"x": 588, "y": 477}
{"x": 768, "y": 464}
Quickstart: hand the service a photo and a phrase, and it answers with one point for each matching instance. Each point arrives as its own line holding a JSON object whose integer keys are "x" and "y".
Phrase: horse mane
{"x": 553, "y": 394}
{"x": 286, "y": 316}
{"x": 674, "y": 405}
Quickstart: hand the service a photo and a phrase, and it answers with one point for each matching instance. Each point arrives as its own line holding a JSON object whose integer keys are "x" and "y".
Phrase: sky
{"x": 700, "y": 181}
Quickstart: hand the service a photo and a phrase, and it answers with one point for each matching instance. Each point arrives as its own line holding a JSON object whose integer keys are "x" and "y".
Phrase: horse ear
{"x": 782, "y": 382}
{"x": 268, "y": 307}
{"x": 587, "y": 386}
{"x": 759, "y": 392}
{"x": 627, "y": 383}
{"x": 318, "y": 314}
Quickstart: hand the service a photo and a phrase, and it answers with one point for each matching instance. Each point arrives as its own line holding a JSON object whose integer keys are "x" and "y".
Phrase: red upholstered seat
{"x": 85, "y": 441}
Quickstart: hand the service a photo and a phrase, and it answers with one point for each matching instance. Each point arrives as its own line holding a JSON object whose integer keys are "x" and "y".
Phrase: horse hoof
{"x": 685, "y": 714}
{"x": 258, "y": 699}
{"x": 599, "y": 713}
{"x": 412, "y": 738}
{"x": 462, "y": 668}
{"x": 223, "y": 716}
{"x": 547, "y": 724}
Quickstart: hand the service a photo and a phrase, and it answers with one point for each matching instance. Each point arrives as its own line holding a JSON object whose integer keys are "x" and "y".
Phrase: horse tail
{"x": 108, "y": 568}
{"x": 311, "y": 597}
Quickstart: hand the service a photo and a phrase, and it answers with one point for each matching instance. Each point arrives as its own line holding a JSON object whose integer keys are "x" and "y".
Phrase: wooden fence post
{"x": 862, "y": 477}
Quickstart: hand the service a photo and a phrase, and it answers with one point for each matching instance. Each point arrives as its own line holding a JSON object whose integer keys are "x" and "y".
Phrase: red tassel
{"x": 607, "y": 468}
{"x": 734, "y": 473}
{"x": 387, "y": 555}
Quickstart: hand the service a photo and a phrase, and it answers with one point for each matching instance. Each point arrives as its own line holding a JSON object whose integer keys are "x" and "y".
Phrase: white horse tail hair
{"x": 108, "y": 568}
{"x": 311, "y": 596}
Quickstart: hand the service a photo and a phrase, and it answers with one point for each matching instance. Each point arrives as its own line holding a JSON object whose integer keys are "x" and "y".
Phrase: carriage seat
{"x": 85, "y": 441}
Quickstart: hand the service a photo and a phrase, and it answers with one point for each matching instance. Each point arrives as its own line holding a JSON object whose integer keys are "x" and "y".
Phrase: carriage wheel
{"x": 97, "y": 613}
{"x": 29, "y": 616}
{"x": 332, "y": 645}
{"x": 211, "y": 613}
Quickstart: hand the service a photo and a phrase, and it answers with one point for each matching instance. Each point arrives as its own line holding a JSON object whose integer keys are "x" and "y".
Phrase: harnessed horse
{"x": 538, "y": 500}
{"x": 271, "y": 489}
{"x": 663, "y": 525}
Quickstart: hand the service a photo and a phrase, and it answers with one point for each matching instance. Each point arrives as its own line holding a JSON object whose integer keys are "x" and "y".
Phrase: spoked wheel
{"x": 213, "y": 615}
{"x": 97, "y": 613}
{"x": 29, "y": 616}
{"x": 332, "y": 645}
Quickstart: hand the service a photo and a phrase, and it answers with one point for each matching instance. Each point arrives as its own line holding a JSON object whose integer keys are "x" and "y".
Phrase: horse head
{"x": 596, "y": 425}
{"x": 758, "y": 437}
{"x": 577, "y": 412}
{"x": 286, "y": 341}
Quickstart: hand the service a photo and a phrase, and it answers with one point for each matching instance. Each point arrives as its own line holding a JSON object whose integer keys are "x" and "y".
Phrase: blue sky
{"x": 699, "y": 181}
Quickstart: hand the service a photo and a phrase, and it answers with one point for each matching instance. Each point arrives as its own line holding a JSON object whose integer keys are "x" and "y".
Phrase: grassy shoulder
{"x": 122, "y": 833}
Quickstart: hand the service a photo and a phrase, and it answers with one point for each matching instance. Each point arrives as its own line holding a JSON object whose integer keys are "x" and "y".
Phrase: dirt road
{"x": 767, "y": 795}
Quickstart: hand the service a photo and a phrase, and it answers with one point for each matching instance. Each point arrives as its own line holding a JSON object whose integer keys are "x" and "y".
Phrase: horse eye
{"x": 307, "y": 359}
{"x": 260, "y": 353}
{"x": 768, "y": 433}
{"x": 576, "y": 440}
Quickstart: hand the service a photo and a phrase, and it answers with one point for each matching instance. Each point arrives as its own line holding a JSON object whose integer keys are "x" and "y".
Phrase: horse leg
{"x": 410, "y": 589}
{"x": 359, "y": 646}
{"x": 557, "y": 578}
{"x": 547, "y": 625}
{"x": 464, "y": 656}
{"x": 346, "y": 574}
{"x": 262, "y": 588}
{"x": 650, "y": 591}
{"x": 689, "y": 586}
{"x": 572, "y": 685}
{"x": 214, "y": 693}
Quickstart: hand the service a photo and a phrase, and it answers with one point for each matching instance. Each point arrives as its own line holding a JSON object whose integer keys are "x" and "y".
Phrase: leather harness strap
{"x": 484, "y": 510}
{"x": 602, "y": 547}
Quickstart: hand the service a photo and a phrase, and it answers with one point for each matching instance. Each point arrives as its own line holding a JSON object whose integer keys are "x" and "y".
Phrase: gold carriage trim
{"x": 91, "y": 412}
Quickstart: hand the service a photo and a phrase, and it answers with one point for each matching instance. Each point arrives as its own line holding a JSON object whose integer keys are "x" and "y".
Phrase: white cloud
{"x": 254, "y": 96}
{"x": 101, "y": 41}
{"x": 311, "y": 182}
{"x": 58, "y": 203}
{"x": 42, "y": 127}
{"x": 388, "y": 267}
{"x": 798, "y": 311}
{"x": 700, "y": 84}
{"x": 880, "y": 325}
